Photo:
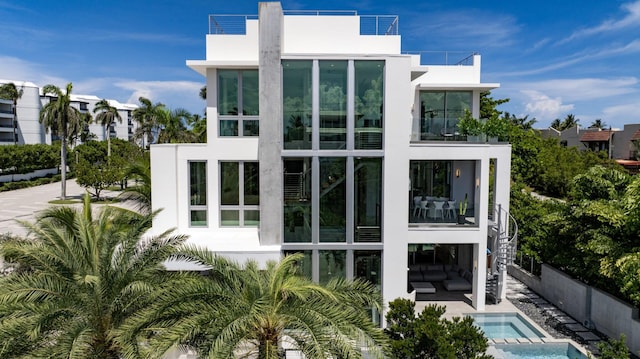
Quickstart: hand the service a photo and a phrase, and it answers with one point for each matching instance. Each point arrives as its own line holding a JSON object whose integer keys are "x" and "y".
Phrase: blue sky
{"x": 552, "y": 58}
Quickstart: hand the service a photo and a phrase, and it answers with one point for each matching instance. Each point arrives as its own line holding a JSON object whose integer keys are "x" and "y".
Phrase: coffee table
{"x": 423, "y": 287}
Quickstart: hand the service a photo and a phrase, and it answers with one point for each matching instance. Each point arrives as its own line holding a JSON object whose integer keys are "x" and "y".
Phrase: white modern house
{"x": 22, "y": 125}
{"x": 325, "y": 138}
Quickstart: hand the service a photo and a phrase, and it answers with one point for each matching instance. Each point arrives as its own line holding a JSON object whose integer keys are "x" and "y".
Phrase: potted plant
{"x": 470, "y": 127}
{"x": 496, "y": 128}
{"x": 462, "y": 214}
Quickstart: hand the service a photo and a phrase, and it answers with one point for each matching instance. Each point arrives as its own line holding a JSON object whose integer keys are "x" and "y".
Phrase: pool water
{"x": 537, "y": 351}
{"x": 505, "y": 326}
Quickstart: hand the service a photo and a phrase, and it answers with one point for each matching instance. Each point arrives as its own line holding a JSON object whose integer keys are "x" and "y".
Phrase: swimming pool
{"x": 505, "y": 326}
{"x": 536, "y": 351}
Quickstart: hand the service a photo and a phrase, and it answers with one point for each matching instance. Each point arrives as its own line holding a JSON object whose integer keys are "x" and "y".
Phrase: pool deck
{"x": 459, "y": 304}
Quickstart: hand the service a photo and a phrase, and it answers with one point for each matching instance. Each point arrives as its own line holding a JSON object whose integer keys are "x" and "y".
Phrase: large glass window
{"x": 332, "y": 265}
{"x": 367, "y": 199}
{"x": 238, "y": 178}
{"x": 305, "y": 265}
{"x": 368, "y": 265}
{"x": 333, "y": 104}
{"x": 238, "y": 104}
{"x": 296, "y": 89}
{"x": 198, "y": 193}
{"x": 369, "y": 104}
{"x": 333, "y": 196}
{"x": 440, "y": 111}
{"x": 297, "y": 199}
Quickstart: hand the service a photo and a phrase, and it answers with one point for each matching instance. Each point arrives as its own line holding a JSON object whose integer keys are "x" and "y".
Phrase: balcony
{"x": 442, "y": 193}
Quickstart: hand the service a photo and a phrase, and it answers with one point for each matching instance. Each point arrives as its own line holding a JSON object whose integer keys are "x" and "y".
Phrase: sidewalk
{"x": 23, "y": 204}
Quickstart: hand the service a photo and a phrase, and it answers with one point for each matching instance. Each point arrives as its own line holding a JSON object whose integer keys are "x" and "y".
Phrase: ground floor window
{"x": 322, "y": 265}
{"x": 239, "y": 194}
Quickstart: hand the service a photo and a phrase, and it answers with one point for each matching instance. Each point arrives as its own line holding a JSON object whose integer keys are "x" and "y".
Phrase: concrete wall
{"x": 608, "y": 314}
{"x": 28, "y": 176}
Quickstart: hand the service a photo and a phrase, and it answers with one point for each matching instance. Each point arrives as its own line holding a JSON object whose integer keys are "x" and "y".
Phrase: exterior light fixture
{"x": 457, "y": 172}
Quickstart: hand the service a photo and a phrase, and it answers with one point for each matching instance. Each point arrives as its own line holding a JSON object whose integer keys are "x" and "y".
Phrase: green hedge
{"x": 18, "y": 159}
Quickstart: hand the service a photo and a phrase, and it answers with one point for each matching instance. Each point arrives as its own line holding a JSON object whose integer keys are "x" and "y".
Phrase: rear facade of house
{"x": 325, "y": 138}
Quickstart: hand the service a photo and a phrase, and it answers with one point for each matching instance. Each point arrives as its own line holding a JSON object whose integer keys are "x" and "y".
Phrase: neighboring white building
{"x": 357, "y": 164}
{"x": 28, "y": 129}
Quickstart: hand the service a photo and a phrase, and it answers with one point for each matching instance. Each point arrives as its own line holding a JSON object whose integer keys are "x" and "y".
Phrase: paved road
{"x": 23, "y": 204}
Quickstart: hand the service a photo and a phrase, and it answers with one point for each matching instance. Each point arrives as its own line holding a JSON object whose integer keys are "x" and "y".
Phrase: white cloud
{"x": 463, "y": 27}
{"x": 16, "y": 69}
{"x": 624, "y": 113}
{"x": 586, "y": 55}
{"x": 631, "y": 18}
{"x": 174, "y": 94}
{"x": 543, "y": 107}
{"x": 583, "y": 89}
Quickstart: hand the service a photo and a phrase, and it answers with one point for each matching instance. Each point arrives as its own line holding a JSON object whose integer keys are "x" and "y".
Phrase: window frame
{"x": 241, "y": 207}
{"x": 198, "y": 207}
{"x": 240, "y": 118}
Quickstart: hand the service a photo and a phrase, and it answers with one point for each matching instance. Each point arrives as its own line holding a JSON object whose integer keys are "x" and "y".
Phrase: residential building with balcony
{"x": 325, "y": 138}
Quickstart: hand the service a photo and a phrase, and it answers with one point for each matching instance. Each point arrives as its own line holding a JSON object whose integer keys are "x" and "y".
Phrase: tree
{"x": 203, "y": 92}
{"x": 198, "y": 125}
{"x": 9, "y": 91}
{"x": 58, "y": 116}
{"x": 488, "y": 105}
{"x": 235, "y": 309}
{"x": 94, "y": 170}
{"x": 173, "y": 127}
{"x": 430, "y": 336}
{"x": 614, "y": 349}
{"x": 148, "y": 116}
{"x": 140, "y": 170}
{"x": 107, "y": 115}
{"x": 598, "y": 123}
{"x": 86, "y": 275}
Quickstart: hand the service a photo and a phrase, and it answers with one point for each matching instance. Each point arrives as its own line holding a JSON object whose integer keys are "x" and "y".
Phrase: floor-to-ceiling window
{"x": 440, "y": 111}
{"x": 369, "y": 109}
{"x": 296, "y": 110}
{"x": 332, "y": 161}
{"x": 333, "y": 104}
{"x": 442, "y": 191}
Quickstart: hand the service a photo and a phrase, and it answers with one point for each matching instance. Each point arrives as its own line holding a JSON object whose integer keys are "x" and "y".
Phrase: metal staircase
{"x": 504, "y": 234}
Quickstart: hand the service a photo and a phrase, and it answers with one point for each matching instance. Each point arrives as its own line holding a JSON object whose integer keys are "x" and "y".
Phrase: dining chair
{"x": 438, "y": 206}
{"x": 416, "y": 205}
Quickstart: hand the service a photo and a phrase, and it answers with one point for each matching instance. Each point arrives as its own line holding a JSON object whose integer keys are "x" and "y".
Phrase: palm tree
{"x": 198, "y": 125}
{"x": 141, "y": 192}
{"x": 58, "y": 116}
{"x": 106, "y": 116}
{"x": 9, "y": 91}
{"x": 598, "y": 123}
{"x": 569, "y": 121}
{"x": 173, "y": 127}
{"x": 148, "y": 116}
{"x": 86, "y": 275}
{"x": 244, "y": 311}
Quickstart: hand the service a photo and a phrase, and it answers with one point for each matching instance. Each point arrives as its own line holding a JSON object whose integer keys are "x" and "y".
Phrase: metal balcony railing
{"x": 449, "y": 58}
{"x": 369, "y": 24}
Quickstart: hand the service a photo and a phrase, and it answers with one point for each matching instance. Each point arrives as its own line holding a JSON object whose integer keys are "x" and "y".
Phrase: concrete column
{"x": 270, "y": 142}
{"x": 479, "y": 276}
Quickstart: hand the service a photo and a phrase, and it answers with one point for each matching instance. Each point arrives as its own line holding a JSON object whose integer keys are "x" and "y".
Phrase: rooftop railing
{"x": 451, "y": 58}
{"x": 369, "y": 24}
